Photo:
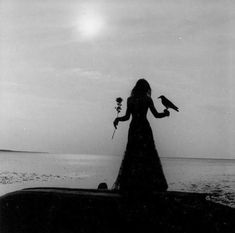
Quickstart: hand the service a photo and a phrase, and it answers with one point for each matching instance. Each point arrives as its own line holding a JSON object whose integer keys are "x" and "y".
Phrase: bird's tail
{"x": 175, "y": 108}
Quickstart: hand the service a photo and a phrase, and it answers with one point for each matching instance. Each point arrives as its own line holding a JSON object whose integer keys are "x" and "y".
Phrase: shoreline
{"x": 22, "y": 151}
{"x": 162, "y": 157}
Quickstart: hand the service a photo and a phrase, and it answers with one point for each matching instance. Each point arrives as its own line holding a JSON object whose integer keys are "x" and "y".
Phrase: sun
{"x": 90, "y": 25}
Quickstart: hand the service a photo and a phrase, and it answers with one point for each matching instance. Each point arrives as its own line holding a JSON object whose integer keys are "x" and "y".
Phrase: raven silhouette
{"x": 167, "y": 103}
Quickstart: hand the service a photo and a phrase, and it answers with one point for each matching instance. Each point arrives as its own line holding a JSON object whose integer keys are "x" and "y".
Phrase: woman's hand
{"x": 167, "y": 113}
{"x": 115, "y": 123}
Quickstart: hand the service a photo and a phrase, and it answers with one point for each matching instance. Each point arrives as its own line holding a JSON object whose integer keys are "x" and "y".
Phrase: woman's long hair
{"x": 141, "y": 88}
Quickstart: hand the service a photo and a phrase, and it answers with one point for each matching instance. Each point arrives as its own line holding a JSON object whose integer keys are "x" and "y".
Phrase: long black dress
{"x": 141, "y": 169}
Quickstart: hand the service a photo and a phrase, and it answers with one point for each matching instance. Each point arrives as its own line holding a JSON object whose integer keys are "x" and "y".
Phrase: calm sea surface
{"x": 23, "y": 170}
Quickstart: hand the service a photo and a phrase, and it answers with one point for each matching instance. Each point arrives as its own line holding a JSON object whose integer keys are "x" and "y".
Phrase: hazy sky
{"x": 63, "y": 63}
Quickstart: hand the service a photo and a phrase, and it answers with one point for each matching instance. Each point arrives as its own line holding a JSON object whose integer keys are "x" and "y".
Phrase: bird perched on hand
{"x": 167, "y": 103}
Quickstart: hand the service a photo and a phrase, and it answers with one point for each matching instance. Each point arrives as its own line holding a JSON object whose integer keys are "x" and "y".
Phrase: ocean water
{"x": 24, "y": 170}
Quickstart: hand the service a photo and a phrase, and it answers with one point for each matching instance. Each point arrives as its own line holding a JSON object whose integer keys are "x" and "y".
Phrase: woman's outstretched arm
{"x": 126, "y": 117}
{"x": 155, "y": 112}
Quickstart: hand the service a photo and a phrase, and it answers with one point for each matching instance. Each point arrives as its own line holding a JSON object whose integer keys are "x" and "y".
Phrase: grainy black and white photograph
{"x": 117, "y": 116}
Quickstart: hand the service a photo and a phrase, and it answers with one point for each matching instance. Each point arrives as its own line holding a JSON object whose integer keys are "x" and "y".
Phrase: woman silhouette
{"x": 141, "y": 169}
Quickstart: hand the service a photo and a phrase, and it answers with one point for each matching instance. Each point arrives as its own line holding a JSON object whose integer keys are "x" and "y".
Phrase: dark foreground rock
{"x": 54, "y": 210}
